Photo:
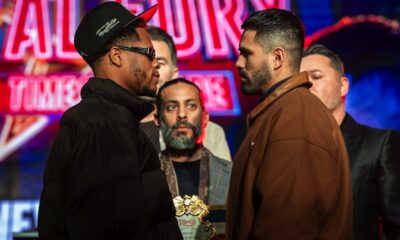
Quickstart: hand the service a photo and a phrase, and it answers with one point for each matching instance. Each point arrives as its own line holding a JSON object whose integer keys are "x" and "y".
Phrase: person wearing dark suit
{"x": 374, "y": 154}
{"x": 191, "y": 168}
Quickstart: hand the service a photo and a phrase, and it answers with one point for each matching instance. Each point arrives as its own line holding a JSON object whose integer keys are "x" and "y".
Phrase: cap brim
{"x": 145, "y": 16}
{"x": 149, "y": 13}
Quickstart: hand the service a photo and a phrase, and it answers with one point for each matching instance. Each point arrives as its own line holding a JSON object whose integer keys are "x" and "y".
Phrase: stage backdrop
{"x": 41, "y": 74}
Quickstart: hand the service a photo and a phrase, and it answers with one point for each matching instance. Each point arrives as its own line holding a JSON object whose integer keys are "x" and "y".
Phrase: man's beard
{"x": 253, "y": 86}
{"x": 181, "y": 141}
{"x": 141, "y": 77}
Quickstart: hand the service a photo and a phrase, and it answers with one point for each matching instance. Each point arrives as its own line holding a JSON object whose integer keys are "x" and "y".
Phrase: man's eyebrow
{"x": 161, "y": 58}
{"x": 170, "y": 101}
{"x": 244, "y": 50}
{"x": 315, "y": 71}
{"x": 176, "y": 101}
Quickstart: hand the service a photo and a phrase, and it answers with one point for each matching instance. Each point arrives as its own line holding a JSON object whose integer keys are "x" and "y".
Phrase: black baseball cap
{"x": 100, "y": 24}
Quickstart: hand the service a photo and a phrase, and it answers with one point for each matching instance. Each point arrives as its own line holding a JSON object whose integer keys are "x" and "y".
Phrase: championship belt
{"x": 191, "y": 213}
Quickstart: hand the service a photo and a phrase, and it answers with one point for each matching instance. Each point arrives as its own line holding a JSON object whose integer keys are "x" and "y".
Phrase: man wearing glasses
{"x": 103, "y": 178}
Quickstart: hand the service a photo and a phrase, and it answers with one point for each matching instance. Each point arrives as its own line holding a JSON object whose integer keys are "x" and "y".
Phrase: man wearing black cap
{"x": 103, "y": 177}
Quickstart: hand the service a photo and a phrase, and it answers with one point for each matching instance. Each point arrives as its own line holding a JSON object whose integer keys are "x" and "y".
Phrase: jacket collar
{"x": 168, "y": 168}
{"x": 350, "y": 128}
{"x": 293, "y": 82}
{"x": 114, "y": 93}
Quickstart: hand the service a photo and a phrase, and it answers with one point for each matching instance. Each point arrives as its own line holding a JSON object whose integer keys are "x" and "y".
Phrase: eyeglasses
{"x": 150, "y": 53}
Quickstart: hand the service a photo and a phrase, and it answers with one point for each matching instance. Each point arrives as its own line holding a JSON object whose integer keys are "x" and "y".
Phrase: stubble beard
{"x": 142, "y": 78}
{"x": 253, "y": 85}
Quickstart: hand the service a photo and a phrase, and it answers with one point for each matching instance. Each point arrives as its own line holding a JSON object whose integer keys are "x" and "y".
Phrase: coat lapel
{"x": 168, "y": 168}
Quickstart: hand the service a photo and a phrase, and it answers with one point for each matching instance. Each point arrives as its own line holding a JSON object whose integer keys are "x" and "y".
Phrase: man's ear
{"x": 156, "y": 120}
{"x": 205, "y": 119}
{"x": 115, "y": 56}
{"x": 175, "y": 73}
{"x": 279, "y": 56}
{"x": 344, "y": 86}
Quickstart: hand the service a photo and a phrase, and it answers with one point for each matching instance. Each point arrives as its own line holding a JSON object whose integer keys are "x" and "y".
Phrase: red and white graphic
{"x": 17, "y": 130}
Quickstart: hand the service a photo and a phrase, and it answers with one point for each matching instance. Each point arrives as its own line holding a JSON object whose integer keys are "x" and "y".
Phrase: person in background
{"x": 190, "y": 167}
{"x": 215, "y": 139}
{"x": 103, "y": 179}
{"x": 374, "y": 154}
{"x": 290, "y": 178}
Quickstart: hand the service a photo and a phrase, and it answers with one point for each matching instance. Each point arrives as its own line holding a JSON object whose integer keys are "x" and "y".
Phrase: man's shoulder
{"x": 95, "y": 111}
{"x": 214, "y": 126}
{"x": 218, "y": 161}
{"x": 214, "y": 130}
{"x": 350, "y": 127}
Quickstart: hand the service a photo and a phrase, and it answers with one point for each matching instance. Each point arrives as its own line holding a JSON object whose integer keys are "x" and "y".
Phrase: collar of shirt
{"x": 265, "y": 94}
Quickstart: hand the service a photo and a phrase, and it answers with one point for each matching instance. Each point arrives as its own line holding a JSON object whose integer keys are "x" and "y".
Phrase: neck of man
{"x": 339, "y": 113}
{"x": 279, "y": 75}
{"x": 186, "y": 155}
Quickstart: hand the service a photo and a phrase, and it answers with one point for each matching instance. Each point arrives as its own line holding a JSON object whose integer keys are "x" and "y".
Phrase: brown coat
{"x": 290, "y": 177}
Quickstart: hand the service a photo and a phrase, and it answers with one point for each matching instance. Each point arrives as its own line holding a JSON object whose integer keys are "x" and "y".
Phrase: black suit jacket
{"x": 375, "y": 170}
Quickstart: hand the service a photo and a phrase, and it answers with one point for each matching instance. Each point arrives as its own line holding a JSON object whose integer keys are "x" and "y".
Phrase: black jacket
{"x": 375, "y": 168}
{"x": 103, "y": 178}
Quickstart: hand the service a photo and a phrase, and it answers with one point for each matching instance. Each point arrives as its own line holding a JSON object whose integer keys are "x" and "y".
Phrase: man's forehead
{"x": 248, "y": 36}
{"x": 161, "y": 48}
{"x": 180, "y": 92}
{"x": 144, "y": 37}
{"x": 316, "y": 62}
{"x": 248, "y": 41}
{"x": 316, "y": 58}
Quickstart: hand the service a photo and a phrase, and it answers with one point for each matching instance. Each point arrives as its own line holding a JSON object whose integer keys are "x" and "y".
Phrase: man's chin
{"x": 149, "y": 92}
{"x": 181, "y": 143}
{"x": 182, "y": 134}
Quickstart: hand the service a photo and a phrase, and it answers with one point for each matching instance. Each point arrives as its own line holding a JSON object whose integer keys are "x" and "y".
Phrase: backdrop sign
{"x": 42, "y": 74}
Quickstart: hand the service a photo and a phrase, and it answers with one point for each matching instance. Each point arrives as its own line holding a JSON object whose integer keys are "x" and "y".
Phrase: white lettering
{"x": 54, "y": 93}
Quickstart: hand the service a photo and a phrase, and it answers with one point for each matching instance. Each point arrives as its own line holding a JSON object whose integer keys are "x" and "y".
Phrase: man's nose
{"x": 156, "y": 64}
{"x": 240, "y": 62}
{"x": 182, "y": 114}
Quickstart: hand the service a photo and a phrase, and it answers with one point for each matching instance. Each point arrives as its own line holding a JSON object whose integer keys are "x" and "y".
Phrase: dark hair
{"x": 277, "y": 27}
{"x": 125, "y": 34}
{"x": 159, "y": 100}
{"x": 158, "y": 34}
{"x": 320, "y": 49}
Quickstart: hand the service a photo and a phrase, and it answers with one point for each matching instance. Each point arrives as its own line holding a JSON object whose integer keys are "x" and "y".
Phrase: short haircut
{"x": 277, "y": 27}
{"x": 320, "y": 49}
{"x": 159, "y": 100}
{"x": 126, "y": 34}
{"x": 158, "y": 34}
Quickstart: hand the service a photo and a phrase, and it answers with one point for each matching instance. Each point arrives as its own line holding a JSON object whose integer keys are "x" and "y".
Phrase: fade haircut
{"x": 159, "y": 100}
{"x": 319, "y": 49}
{"x": 158, "y": 34}
{"x": 127, "y": 34}
{"x": 277, "y": 27}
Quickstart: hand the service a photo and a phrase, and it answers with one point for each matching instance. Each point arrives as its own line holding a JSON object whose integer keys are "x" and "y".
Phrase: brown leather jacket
{"x": 291, "y": 178}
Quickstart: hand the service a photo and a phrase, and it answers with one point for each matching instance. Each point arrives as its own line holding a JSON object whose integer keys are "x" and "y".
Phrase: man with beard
{"x": 164, "y": 45}
{"x": 191, "y": 168}
{"x": 103, "y": 177}
{"x": 290, "y": 178}
{"x": 374, "y": 153}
